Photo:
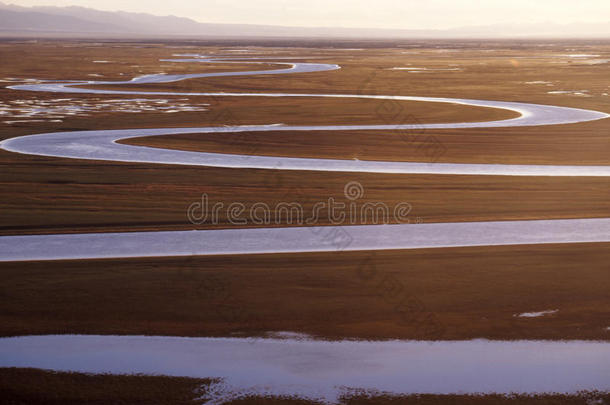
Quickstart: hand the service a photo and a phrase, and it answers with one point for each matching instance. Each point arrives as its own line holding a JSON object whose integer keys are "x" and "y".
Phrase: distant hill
{"x": 30, "y": 21}
{"x": 17, "y": 20}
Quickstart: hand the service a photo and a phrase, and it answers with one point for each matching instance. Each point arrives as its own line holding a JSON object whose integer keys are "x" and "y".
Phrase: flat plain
{"x": 456, "y": 293}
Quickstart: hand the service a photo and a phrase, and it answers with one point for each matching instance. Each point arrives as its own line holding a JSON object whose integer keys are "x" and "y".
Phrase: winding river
{"x": 103, "y": 145}
{"x": 325, "y": 370}
{"x": 301, "y": 366}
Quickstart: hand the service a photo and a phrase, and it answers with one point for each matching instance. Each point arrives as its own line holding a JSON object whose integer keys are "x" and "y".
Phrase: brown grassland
{"x": 38, "y": 387}
{"x": 456, "y": 293}
{"x": 42, "y": 195}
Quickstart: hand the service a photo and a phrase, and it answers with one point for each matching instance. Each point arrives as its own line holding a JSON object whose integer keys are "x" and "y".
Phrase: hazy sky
{"x": 359, "y": 13}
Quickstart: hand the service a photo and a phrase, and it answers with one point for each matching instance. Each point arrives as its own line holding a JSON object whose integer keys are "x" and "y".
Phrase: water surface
{"x": 324, "y": 370}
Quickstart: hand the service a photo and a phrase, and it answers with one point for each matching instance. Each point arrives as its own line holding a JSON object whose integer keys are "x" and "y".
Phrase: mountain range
{"x": 81, "y": 21}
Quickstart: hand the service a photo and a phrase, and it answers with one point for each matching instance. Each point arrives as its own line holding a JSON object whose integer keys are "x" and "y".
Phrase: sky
{"x": 408, "y": 14}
